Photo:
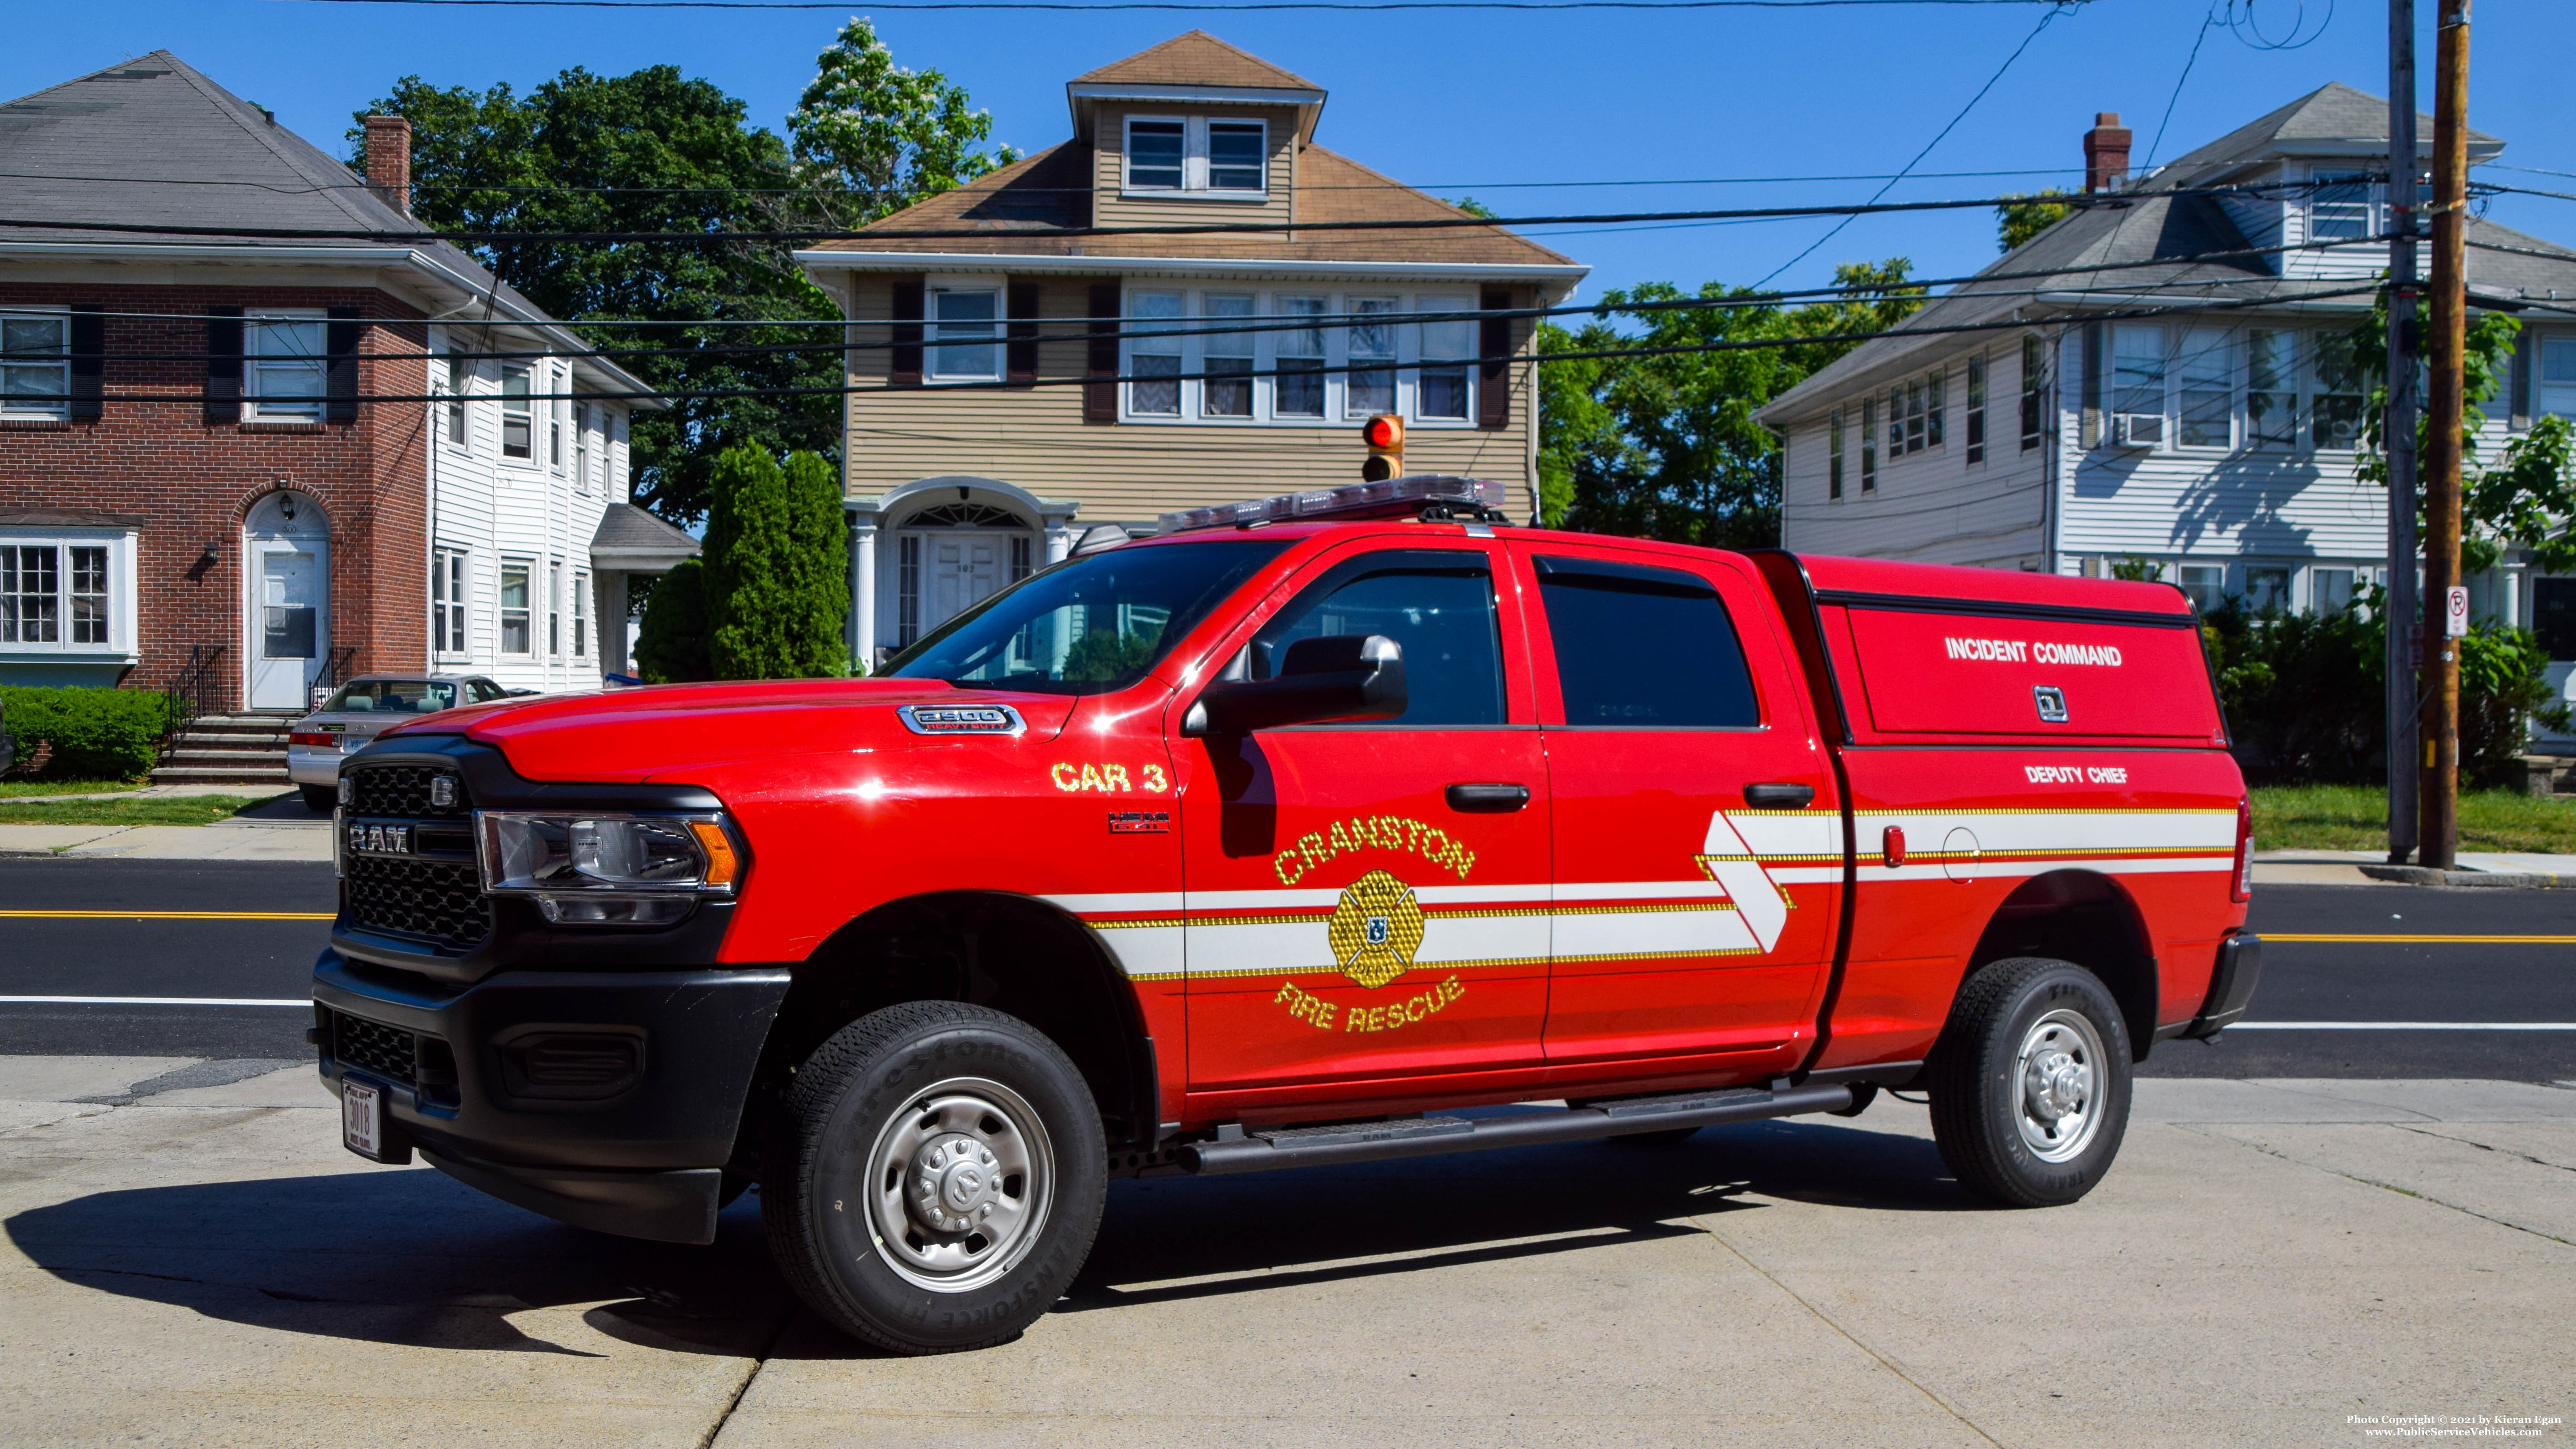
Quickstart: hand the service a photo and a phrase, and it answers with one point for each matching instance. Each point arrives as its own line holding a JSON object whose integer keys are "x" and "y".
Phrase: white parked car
{"x": 350, "y": 718}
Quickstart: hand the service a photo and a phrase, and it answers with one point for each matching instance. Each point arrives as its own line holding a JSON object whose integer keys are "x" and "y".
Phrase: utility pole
{"x": 2437, "y": 824}
{"x": 2397, "y": 433}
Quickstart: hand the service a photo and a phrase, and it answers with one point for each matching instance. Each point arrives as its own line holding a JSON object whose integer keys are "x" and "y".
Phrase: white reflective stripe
{"x": 1805, "y": 874}
{"x": 1764, "y": 908}
{"x": 2059, "y": 830}
{"x": 1800, "y": 834}
{"x": 1581, "y": 934}
{"x": 1636, "y": 890}
{"x": 1146, "y": 951}
{"x": 1142, "y": 902}
{"x": 1261, "y": 948}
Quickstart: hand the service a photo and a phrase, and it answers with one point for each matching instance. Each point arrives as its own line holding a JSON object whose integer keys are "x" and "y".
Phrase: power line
{"x": 1733, "y": 344}
{"x": 1837, "y": 230}
{"x": 1244, "y": 228}
{"x": 1184, "y": 5}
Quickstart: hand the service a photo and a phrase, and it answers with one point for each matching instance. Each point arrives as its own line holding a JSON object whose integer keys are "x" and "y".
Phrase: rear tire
{"x": 2030, "y": 1082}
{"x": 935, "y": 1177}
{"x": 320, "y": 799}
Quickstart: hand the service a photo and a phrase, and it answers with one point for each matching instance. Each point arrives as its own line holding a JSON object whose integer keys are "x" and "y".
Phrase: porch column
{"x": 863, "y": 596}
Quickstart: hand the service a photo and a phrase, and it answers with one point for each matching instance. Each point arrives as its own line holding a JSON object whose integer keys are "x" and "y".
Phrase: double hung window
{"x": 1834, "y": 454}
{"x": 2034, "y": 392}
{"x": 284, "y": 357}
{"x": 2330, "y": 591}
{"x": 459, "y": 371}
{"x": 1869, "y": 445}
{"x": 555, "y": 421}
{"x": 517, "y": 421}
{"x": 554, "y": 610}
{"x": 1237, "y": 155}
{"x": 447, "y": 601}
{"x": 1155, "y": 152}
{"x": 35, "y": 365}
{"x": 1226, "y": 159}
{"x": 514, "y": 607}
{"x": 2557, "y": 376}
{"x": 1372, "y": 344}
{"x": 2341, "y": 205}
{"x": 1446, "y": 348}
{"x": 581, "y": 423}
{"x": 2205, "y": 585}
{"x": 964, "y": 334}
{"x": 2271, "y": 388}
{"x": 2206, "y": 388}
{"x": 1226, "y": 357}
{"x": 1154, "y": 361}
{"x": 580, "y": 614}
{"x": 1976, "y": 416}
{"x": 2335, "y": 412}
{"x": 1301, "y": 361}
{"x": 2138, "y": 386}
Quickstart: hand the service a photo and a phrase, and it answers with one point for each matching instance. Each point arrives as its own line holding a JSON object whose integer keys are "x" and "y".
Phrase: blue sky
{"x": 1463, "y": 103}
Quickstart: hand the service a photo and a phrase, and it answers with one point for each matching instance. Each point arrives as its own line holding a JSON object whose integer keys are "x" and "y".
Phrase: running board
{"x": 1267, "y": 1151}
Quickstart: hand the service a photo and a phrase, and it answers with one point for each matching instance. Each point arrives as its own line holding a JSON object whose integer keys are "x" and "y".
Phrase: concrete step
{"x": 212, "y": 739}
{"x": 240, "y": 759}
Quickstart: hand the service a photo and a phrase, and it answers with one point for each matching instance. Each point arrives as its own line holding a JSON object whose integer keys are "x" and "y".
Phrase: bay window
{"x": 66, "y": 593}
{"x": 1234, "y": 358}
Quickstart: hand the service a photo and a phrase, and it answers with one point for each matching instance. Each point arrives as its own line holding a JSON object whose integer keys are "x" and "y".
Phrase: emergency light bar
{"x": 1386, "y": 498}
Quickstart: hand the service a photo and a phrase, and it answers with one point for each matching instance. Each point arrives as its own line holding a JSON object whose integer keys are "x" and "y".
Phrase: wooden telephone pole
{"x": 2438, "y": 822}
{"x": 2397, "y": 431}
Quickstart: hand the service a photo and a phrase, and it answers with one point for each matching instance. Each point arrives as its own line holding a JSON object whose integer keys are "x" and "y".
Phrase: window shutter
{"x": 1100, "y": 392}
{"x": 1493, "y": 366}
{"x": 2092, "y": 385}
{"x": 89, "y": 359}
{"x": 903, "y": 360}
{"x": 223, "y": 364}
{"x": 340, "y": 377}
{"x": 2517, "y": 383}
{"x": 1022, "y": 350}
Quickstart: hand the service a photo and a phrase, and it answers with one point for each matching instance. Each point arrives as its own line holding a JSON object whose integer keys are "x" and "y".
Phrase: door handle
{"x": 1487, "y": 799}
{"x": 1780, "y": 796}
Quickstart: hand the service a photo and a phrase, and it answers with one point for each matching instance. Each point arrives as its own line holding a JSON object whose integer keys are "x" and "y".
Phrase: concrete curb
{"x": 2423, "y": 875}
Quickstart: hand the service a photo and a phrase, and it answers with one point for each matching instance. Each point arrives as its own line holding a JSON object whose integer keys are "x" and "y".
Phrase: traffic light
{"x": 1384, "y": 435}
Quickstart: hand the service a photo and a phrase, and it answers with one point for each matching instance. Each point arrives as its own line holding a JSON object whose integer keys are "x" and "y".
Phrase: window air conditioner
{"x": 2138, "y": 430}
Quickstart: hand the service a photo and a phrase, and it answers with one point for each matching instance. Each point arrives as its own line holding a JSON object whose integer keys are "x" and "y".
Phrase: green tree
{"x": 2526, "y": 497}
{"x": 2025, "y": 214}
{"x": 671, "y": 642}
{"x": 776, "y": 550}
{"x": 1667, "y": 446}
{"x": 871, "y": 138}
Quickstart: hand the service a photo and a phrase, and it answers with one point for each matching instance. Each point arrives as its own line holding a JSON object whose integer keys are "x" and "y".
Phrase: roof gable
{"x": 1196, "y": 58}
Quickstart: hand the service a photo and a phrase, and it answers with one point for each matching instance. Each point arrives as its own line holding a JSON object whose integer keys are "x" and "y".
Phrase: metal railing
{"x": 335, "y": 669}
{"x": 191, "y": 690}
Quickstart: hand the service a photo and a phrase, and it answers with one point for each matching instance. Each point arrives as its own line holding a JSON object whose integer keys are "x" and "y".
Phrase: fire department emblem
{"x": 1376, "y": 928}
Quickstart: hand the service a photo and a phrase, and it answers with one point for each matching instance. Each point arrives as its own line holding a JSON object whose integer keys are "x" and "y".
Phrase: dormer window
{"x": 1195, "y": 155}
{"x": 2342, "y": 206}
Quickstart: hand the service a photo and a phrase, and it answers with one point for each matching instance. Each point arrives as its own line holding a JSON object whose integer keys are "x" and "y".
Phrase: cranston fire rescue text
{"x": 1327, "y": 828}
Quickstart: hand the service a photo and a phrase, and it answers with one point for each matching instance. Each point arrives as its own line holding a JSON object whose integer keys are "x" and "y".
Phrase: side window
{"x": 1644, "y": 648}
{"x": 1438, "y": 605}
{"x": 485, "y": 691}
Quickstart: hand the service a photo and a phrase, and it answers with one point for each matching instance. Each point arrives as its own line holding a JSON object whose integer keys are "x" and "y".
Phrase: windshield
{"x": 1089, "y": 626}
{"x": 393, "y": 696}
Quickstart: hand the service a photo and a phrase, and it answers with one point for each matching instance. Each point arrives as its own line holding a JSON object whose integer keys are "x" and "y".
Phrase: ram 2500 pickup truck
{"x": 1335, "y": 827}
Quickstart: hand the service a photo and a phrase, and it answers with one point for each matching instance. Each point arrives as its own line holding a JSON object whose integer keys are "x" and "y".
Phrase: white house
{"x": 2165, "y": 378}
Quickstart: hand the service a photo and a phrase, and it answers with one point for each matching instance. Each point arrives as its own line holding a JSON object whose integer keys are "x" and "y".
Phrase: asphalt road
{"x": 227, "y": 954}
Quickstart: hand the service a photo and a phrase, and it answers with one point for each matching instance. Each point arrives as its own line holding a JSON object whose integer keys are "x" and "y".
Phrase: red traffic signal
{"x": 1384, "y": 435}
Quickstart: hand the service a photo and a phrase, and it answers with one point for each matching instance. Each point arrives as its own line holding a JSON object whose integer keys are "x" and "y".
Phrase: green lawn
{"x": 158, "y": 810}
{"x": 2355, "y": 817}
{"x": 11, "y": 789}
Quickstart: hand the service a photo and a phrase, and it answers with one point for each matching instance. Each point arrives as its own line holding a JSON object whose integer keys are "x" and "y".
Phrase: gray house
{"x": 2165, "y": 378}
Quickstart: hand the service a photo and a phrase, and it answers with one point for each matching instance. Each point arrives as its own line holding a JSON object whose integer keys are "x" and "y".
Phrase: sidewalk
{"x": 189, "y": 1257}
{"x": 275, "y": 829}
{"x": 2370, "y": 867}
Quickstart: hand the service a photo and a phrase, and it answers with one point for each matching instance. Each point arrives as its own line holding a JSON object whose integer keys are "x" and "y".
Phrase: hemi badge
{"x": 1140, "y": 822}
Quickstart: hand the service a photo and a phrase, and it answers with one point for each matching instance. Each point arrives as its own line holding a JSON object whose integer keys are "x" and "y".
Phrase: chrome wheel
{"x": 2060, "y": 1069}
{"x": 962, "y": 1180}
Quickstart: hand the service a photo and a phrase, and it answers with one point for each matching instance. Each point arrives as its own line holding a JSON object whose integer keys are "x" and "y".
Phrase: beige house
{"x": 1065, "y": 343}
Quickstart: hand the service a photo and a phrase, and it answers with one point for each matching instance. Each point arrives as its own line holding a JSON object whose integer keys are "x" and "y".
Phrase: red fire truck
{"x": 1329, "y": 828}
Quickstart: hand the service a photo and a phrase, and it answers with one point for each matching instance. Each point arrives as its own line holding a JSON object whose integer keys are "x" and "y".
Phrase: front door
{"x": 289, "y": 623}
{"x": 965, "y": 570}
{"x": 1698, "y": 848}
{"x": 1352, "y": 918}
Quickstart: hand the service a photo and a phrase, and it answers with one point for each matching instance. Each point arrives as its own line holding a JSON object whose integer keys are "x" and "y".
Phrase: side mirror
{"x": 1336, "y": 677}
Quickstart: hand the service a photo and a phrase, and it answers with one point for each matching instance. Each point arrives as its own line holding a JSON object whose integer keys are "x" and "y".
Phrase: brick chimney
{"x": 2106, "y": 152}
{"x": 389, "y": 161}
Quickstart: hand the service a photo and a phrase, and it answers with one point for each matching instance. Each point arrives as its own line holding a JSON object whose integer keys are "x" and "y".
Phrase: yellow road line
{"x": 169, "y": 915}
{"x": 2433, "y": 940}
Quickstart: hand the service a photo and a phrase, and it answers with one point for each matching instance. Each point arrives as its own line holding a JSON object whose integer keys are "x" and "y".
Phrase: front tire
{"x": 936, "y": 1177}
{"x": 2030, "y": 1082}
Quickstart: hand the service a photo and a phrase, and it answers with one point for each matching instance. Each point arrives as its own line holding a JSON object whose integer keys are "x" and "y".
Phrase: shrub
{"x": 671, "y": 643}
{"x": 2504, "y": 686}
{"x": 777, "y": 581}
{"x": 96, "y": 734}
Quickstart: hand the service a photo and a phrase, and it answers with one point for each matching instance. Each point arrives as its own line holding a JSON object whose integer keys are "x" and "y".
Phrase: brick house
{"x": 991, "y": 421}
{"x": 260, "y": 462}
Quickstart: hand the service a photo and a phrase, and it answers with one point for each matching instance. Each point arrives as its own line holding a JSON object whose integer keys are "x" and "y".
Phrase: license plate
{"x": 362, "y": 1118}
{"x": 380, "y": 839}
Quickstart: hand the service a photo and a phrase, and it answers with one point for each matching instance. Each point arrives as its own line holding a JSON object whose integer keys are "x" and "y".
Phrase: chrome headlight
{"x": 605, "y": 869}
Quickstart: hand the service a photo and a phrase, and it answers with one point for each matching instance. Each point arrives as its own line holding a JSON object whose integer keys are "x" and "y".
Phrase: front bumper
{"x": 610, "y": 1100}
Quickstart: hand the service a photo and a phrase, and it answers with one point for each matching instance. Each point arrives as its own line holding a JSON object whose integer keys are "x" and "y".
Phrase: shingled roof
{"x": 2334, "y": 118}
{"x": 1196, "y": 59}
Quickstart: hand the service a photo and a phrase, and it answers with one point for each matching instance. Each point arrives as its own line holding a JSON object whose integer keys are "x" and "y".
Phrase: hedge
{"x": 96, "y": 734}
